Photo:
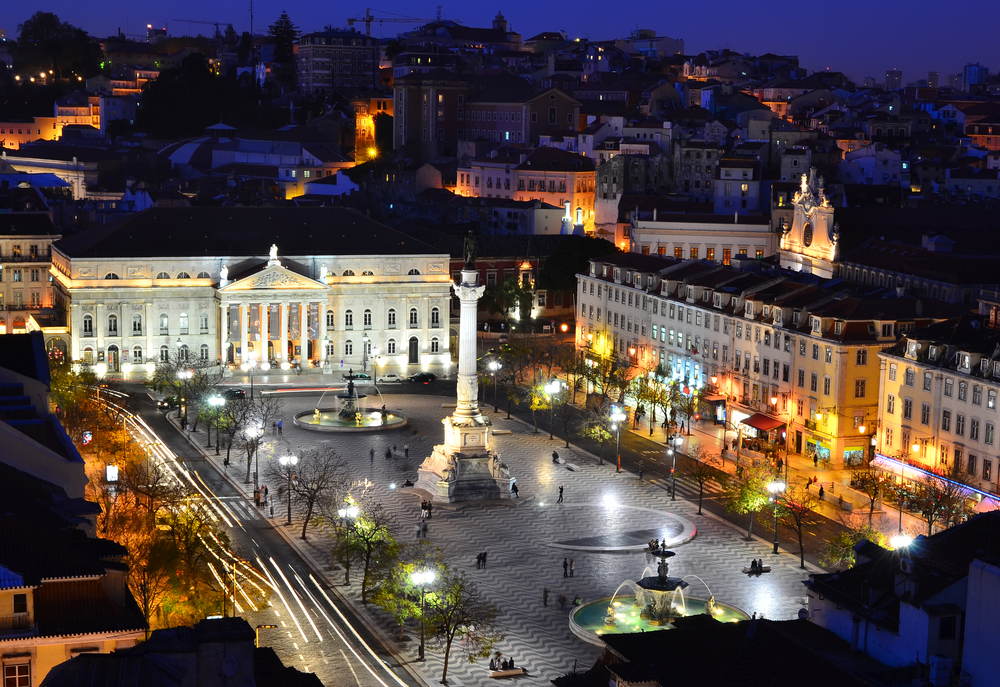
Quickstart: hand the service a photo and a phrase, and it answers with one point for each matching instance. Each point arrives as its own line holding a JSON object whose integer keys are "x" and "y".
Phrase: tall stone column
{"x": 265, "y": 330}
{"x": 304, "y": 330}
{"x": 468, "y": 293}
{"x": 224, "y": 333}
{"x": 152, "y": 355}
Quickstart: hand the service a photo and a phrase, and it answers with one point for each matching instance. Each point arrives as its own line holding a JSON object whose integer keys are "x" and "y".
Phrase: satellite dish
{"x": 229, "y": 664}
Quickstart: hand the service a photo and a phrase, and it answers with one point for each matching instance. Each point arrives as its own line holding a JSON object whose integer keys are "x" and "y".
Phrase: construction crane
{"x": 218, "y": 33}
{"x": 368, "y": 19}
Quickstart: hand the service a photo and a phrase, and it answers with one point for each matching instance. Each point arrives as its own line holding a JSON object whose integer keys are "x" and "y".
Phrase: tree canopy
{"x": 45, "y": 43}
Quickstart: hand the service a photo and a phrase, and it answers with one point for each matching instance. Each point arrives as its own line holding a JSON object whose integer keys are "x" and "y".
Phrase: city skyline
{"x": 888, "y": 39}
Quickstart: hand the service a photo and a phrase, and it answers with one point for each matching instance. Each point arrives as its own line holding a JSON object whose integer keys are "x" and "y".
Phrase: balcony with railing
{"x": 41, "y": 256}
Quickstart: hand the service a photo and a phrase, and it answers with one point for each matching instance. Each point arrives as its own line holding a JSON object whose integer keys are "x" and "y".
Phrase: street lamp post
{"x": 364, "y": 351}
{"x": 216, "y": 402}
{"x": 348, "y": 514}
{"x": 184, "y": 376}
{"x": 495, "y": 369}
{"x": 552, "y": 388}
{"x": 422, "y": 578}
{"x": 255, "y": 434}
{"x": 673, "y": 442}
{"x": 776, "y": 488}
{"x": 248, "y": 366}
{"x": 289, "y": 462}
{"x": 617, "y": 418}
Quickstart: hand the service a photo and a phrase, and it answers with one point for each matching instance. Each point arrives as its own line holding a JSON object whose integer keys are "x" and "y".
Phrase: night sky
{"x": 858, "y": 38}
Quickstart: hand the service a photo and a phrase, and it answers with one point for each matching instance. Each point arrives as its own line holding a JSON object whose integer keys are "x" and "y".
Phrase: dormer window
{"x": 749, "y": 309}
{"x": 777, "y": 316}
{"x": 593, "y": 270}
{"x": 690, "y": 291}
{"x": 839, "y": 327}
{"x": 618, "y": 275}
{"x": 767, "y": 311}
{"x": 932, "y": 353}
{"x": 816, "y": 325}
{"x": 717, "y": 301}
{"x": 984, "y": 366}
{"x": 795, "y": 318}
{"x": 604, "y": 271}
{"x": 965, "y": 361}
{"x": 996, "y": 368}
{"x": 911, "y": 349}
{"x": 706, "y": 295}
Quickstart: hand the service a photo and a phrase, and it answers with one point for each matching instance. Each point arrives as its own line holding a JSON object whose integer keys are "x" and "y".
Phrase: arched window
{"x": 137, "y": 354}
{"x": 331, "y": 321}
{"x": 329, "y": 349}
{"x": 112, "y": 325}
{"x": 164, "y": 354}
{"x": 413, "y": 273}
{"x": 392, "y": 318}
{"x": 435, "y": 318}
{"x": 182, "y": 354}
{"x": 348, "y": 273}
{"x": 435, "y": 345}
{"x": 163, "y": 275}
{"x": 390, "y": 347}
{"x": 136, "y": 324}
{"x": 203, "y": 322}
{"x": 204, "y": 275}
{"x": 184, "y": 323}
{"x": 88, "y": 325}
{"x": 183, "y": 275}
{"x": 348, "y": 347}
{"x": 367, "y": 273}
{"x": 88, "y": 355}
{"x": 413, "y": 317}
{"x": 349, "y": 320}
{"x": 111, "y": 275}
{"x": 368, "y": 319}
{"x": 203, "y": 352}
{"x": 164, "y": 323}
{"x": 368, "y": 347}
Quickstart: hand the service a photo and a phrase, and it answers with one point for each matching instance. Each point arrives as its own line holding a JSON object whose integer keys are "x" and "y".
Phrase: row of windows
{"x": 137, "y": 330}
{"x": 909, "y": 379}
{"x": 390, "y": 347}
{"x": 366, "y": 319}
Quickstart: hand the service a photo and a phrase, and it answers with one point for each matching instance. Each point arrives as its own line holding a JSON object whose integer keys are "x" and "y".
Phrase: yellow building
{"x": 14, "y": 134}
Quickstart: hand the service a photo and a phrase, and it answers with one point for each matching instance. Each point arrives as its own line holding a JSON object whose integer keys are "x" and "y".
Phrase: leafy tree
{"x": 506, "y": 297}
{"x": 457, "y": 609}
{"x": 537, "y": 399}
{"x": 595, "y": 427}
{"x": 797, "y": 511}
{"x": 704, "y": 470}
{"x": 840, "y": 548}
{"x": 393, "y": 47}
{"x": 940, "y": 501}
{"x": 319, "y": 478}
{"x": 370, "y": 540}
{"x": 396, "y": 594}
{"x": 284, "y": 33}
{"x": 45, "y": 43}
{"x": 746, "y": 492}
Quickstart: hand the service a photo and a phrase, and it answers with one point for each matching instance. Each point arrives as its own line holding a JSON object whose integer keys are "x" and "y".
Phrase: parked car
{"x": 167, "y": 403}
{"x": 423, "y": 377}
{"x": 231, "y": 394}
{"x": 358, "y": 376}
{"x": 392, "y": 377}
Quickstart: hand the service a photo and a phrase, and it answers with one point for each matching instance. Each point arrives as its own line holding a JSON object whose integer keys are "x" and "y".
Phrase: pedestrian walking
{"x": 571, "y": 568}
{"x": 479, "y": 561}
{"x": 513, "y": 489}
{"x": 265, "y": 494}
{"x": 565, "y": 567}
{"x": 815, "y": 460}
{"x": 256, "y": 497}
{"x": 821, "y": 492}
{"x": 279, "y": 427}
{"x": 406, "y": 450}
{"x": 418, "y": 531}
{"x": 555, "y": 457}
{"x": 430, "y": 509}
{"x": 781, "y": 464}
{"x": 388, "y": 454}
{"x": 394, "y": 449}
{"x": 545, "y": 596}
{"x": 485, "y": 554}
{"x": 371, "y": 455}
{"x": 423, "y": 530}
{"x": 560, "y": 499}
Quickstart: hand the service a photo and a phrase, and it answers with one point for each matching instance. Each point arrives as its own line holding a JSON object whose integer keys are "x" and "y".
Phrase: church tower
{"x": 810, "y": 243}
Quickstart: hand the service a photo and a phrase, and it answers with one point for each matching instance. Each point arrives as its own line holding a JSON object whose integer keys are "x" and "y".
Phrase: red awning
{"x": 764, "y": 423}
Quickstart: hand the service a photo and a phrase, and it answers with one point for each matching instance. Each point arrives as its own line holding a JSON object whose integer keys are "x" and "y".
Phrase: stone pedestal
{"x": 464, "y": 467}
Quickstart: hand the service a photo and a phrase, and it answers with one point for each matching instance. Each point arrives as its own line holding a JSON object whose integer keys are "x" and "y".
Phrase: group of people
{"x": 276, "y": 428}
{"x": 260, "y": 496}
{"x": 481, "y": 560}
{"x": 426, "y": 510}
{"x": 654, "y": 544}
{"x": 421, "y": 528}
{"x": 567, "y": 567}
{"x": 500, "y": 663}
{"x": 756, "y": 565}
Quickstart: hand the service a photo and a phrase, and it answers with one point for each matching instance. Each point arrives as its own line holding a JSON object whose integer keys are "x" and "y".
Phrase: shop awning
{"x": 764, "y": 423}
{"x": 712, "y": 398}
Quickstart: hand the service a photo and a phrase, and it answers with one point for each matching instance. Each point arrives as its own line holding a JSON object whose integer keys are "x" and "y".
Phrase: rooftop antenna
{"x": 251, "y": 18}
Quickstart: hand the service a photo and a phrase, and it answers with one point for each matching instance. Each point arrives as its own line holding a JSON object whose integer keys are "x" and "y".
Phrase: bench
{"x": 572, "y": 467}
{"x": 497, "y": 674}
{"x": 498, "y": 432}
{"x": 757, "y": 571}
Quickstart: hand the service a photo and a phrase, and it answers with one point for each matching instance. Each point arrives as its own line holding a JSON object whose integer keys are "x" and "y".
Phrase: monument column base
{"x": 464, "y": 468}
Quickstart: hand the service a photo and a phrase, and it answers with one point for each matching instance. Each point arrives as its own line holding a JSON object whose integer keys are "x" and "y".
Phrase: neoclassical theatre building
{"x": 253, "y": 285}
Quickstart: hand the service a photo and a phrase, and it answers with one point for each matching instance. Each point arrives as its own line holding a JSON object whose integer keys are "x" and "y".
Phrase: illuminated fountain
{"x": 350, "y": 415}
{"x": 654, "y": 604}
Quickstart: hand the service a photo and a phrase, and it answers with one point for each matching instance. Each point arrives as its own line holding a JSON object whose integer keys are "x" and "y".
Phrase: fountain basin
{"x": 589, "y": 621}
{"x": 330, "y": 420}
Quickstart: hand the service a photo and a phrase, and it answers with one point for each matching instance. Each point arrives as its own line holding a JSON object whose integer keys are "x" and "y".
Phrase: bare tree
{"x": 319, "y": 478}
{"x": 370, "y": 539}
{"x": 869, "y": 480}
{"x": 797, "y": 512}
{"x": 705, "y": 469}
{"x": 259, "y": 412}
{"x": 456, "y": 609}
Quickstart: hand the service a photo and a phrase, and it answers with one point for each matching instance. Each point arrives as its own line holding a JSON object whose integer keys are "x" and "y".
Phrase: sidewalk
{"x": 800, "y": 469}
{"x": 528, "y": 538}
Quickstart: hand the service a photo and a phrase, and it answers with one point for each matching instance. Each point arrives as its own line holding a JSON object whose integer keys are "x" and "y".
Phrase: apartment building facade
{"x": 336, "y": 59}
